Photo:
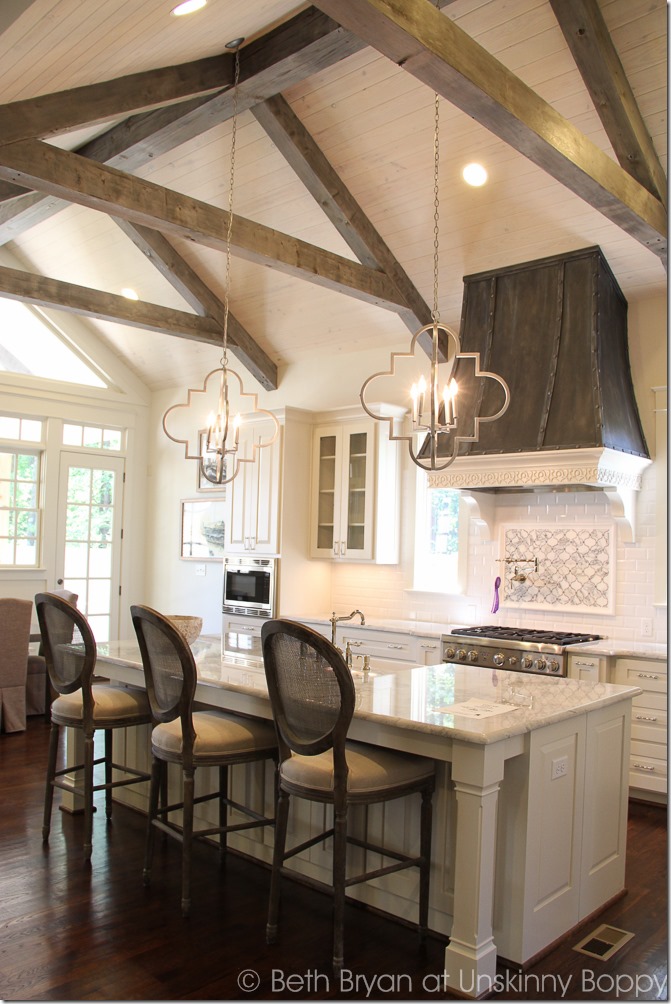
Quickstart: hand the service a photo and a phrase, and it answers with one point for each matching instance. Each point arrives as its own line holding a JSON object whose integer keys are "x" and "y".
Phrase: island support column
{"x": 470, "y": 957}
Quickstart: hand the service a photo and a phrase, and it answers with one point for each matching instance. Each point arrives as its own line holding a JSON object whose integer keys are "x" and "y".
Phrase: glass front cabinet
{"x": 346, "y": 487}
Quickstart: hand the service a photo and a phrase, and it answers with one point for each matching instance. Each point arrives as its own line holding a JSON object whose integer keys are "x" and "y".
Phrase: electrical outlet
{"x": 559, "y": 768}
{"x": 200, "y": 570}
{"x": 646, "y": 627}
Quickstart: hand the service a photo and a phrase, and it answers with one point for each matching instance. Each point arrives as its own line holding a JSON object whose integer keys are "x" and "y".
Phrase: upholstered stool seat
{"x": 112, "y": 707}
{"x": 372, "y": 771}
{"x": 215, "y": 731}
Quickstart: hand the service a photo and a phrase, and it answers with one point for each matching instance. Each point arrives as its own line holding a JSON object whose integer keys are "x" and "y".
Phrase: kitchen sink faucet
{"x": 348, "y": 617}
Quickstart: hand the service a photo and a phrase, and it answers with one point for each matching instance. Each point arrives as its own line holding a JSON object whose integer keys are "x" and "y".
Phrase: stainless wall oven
{"x": 250, "y": 586}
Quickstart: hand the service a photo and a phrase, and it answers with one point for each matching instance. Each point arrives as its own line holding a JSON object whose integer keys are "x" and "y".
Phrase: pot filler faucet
{"x": 348, "y": 617}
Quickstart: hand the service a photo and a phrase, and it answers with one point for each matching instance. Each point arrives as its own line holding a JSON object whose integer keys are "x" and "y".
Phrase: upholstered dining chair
{"x": 70, "y": 654}
{"x": 191, "y": 739}
{"x": 313, "y": 697}
{"x": 38, "y": 688}
{"x": 14, "y": 640}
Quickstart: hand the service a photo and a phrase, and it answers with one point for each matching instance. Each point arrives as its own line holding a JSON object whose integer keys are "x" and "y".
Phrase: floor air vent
{"x": 604, "y": 942}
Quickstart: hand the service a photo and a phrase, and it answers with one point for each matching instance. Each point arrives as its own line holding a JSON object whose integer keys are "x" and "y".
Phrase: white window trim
{"x": 421, "y": 533}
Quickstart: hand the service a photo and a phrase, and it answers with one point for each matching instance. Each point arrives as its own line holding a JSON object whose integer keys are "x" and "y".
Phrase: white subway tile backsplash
{"x": 381, "y": 590}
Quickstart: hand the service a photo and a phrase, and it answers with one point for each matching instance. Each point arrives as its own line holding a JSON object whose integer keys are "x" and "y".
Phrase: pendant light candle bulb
{"x": 417, "y": 392}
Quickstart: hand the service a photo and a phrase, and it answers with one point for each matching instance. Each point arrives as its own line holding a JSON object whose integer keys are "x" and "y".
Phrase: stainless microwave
{"x": 249, "y": 586}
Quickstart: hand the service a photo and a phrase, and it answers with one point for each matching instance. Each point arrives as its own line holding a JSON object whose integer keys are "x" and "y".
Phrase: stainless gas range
{"x": 518, "y": 649}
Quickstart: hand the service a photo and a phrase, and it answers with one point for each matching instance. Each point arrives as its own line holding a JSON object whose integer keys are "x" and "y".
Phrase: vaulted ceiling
{"x": 115, "y": 142}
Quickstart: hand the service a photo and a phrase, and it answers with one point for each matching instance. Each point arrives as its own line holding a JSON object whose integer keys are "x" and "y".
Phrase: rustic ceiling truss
{"x": 38, "y": 180}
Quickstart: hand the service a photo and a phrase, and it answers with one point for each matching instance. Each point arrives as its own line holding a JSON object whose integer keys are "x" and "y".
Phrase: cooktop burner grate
{"x": 529, "y": 636}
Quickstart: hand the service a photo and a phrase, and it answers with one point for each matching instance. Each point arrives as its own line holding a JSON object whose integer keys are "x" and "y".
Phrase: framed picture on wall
{"x": 210, "y": 464}
{"x": 202, "y": 529}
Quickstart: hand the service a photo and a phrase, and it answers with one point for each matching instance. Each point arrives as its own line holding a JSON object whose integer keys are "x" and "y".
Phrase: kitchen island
{"x": 530, "y": 809}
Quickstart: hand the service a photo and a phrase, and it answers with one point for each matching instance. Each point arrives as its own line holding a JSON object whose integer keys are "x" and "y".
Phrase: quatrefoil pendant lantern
{"x": 217, "y": 446}
{"x": 434, "y": 379}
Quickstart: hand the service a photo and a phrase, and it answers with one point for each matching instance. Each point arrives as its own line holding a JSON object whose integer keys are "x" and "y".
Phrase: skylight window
{"x": 28, "y": 345}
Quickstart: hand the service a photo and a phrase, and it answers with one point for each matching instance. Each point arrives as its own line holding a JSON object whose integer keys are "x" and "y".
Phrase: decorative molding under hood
{"x": 618, "y": 474}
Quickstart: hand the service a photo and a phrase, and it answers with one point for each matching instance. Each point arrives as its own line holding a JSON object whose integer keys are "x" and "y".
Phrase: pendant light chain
{"x": 229, "y": 228}
{"x": 435, "y": 315}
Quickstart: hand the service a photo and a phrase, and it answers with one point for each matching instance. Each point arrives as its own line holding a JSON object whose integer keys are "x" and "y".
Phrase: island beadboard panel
{"x": 559, "y": 567}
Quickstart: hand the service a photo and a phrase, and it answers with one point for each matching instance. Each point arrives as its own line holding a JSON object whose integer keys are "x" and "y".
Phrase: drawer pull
{"x": 591, "y": 664}
{"x": 642, "y": 766}
{"x": 432, "y": 647}
{"x": 394, "y": 646}
{"x": 355, "y": 644}
{"x": 648, "y": 676}
{"x": 645, "y": 718}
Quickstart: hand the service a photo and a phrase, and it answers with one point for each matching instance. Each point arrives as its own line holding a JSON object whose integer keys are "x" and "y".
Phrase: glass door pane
{"x": 89, "y": 538}
{"x": 326, "y": 489}
{"x": 356, "y": 491}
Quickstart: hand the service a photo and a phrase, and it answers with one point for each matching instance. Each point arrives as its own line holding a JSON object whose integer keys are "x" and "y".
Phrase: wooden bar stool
{"x": 312, "y": 695}
{"x": 191, "y": 739}
{"x": 70, "y": 654}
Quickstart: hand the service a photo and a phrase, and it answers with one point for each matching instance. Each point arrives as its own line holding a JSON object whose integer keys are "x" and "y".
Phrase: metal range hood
{"x": 556, "y": 330}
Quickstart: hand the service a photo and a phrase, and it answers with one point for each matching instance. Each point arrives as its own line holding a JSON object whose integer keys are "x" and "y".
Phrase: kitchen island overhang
{"x": 529, "y": 814}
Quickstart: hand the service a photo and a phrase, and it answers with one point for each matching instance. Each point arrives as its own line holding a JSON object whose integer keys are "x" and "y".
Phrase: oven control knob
{"x": 461, "y": 654}
{"x": 499, "y": 659}
{"x": 527, "y": 662}
{"x": 541, "y": 665}
{"x": 512, "y": 660}
{"x": 473, "y": 656}
{"x": 554, "y": 666}
{"x": 450, "y": 654}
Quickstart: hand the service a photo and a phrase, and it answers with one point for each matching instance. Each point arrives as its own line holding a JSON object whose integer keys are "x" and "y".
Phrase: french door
{"x": 90, "y": 509}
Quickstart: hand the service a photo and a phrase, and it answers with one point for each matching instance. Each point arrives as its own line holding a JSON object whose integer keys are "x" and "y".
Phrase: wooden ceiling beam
{"x": 76, "y": 179}
{"x": 49, "y": 114}
{"x": 161, "y": 253}
{"x": 284, "y": 56}
{"x": 16, "y": 284}
{"x": 300, "y": 150}
{"x": 591, "y": 45}
{"x": 432, "y": 48}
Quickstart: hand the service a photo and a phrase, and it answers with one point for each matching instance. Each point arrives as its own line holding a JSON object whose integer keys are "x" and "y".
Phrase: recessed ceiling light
{"x": 129, "y": 293}
{"x": 474, "y": 174}
{"x": 188, "y": 7}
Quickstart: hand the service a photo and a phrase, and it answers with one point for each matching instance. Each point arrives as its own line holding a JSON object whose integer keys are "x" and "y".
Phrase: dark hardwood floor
{"x": 71, "y": 933}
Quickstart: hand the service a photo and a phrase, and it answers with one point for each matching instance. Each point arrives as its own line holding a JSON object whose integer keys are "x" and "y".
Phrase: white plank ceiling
{"x": 374, "y": 123}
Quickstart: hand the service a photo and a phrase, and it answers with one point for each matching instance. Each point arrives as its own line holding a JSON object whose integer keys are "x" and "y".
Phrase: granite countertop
{"x": 622, "y": 648}
{"x": 423, "y": 629}
{"x": 423, "y": 698}
{"x": 431, "y": 629}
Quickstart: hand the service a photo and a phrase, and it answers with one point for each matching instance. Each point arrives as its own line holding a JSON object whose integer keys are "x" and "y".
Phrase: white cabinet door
{"x": 253, "y": 497}
{"x": 343, "y": 491}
